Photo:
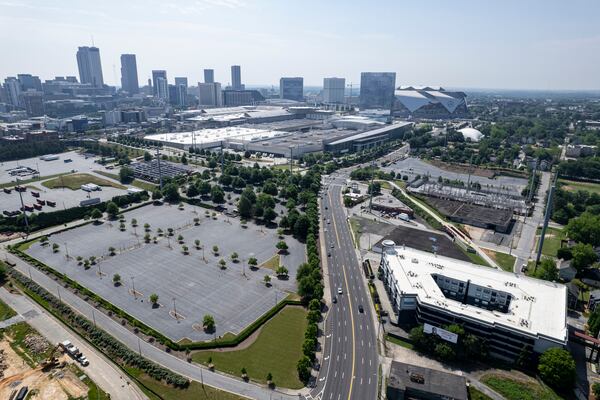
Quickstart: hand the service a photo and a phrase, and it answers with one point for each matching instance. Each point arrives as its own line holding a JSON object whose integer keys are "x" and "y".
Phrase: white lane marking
{"x": 335, "y": 375}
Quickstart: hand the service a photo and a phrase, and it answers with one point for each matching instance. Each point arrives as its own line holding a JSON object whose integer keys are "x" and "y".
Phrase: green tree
{"x": 171, "y": 193}
{"x": 55, "y": 247}
{"x": 557, "y": 369}
{"x": 267, "y": 280}
{"x": 126, "y": 175}
{"x": 596, "y": 390}
{"x": 245, "y": 207}
{"x": 282, "y": 246}
{"x": 269, "y": 214}
{"x": 546, "y": 270}
{"x": 116, "y": 279}
{"x": 282, "y": 271}
{"x": 112, "y": 209}
{"x": 594, "y": 322}
{"x": 234, "y": 257}
{"x": 192, "y": 191}
{"x": 215, "y": 249}
{"x": 222, "y": 263}
{"x": 157, "y": 194}
{"x": 208, "y": 322}
{"x": 154, "y": 299}
{"x": 585, "y": 229}
{"x": 96, "y": 214}
{"x": 111, "y": 251}
{"x": 583, "y": 256}
{"x": 147, "y": 156}
{"x": 253, "y": 262}
{"x": 217, "y": 195}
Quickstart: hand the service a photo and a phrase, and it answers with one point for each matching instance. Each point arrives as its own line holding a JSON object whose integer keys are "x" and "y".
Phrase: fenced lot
{"x": 193, "y": 284}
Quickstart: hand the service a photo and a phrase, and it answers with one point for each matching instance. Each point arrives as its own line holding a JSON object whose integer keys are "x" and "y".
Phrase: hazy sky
{"x": 511, "y": 44}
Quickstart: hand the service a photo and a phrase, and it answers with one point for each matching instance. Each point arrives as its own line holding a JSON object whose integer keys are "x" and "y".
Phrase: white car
{"x": 340, "y": 291}
{"x": 83, "y": 361}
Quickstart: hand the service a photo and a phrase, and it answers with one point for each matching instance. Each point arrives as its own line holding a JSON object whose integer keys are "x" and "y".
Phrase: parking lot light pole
{"x": 175, "y": 310}
{"x": 133, "y": 287}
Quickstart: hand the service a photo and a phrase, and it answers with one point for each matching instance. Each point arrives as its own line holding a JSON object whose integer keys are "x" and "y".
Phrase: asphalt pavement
{"x": 349, "y": 367}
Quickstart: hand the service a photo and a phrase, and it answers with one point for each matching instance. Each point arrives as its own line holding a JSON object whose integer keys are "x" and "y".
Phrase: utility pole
{"x": 159, "y": 171}
{"x": 23, "y": 207}
{"x": 372, "y": 179}
{"x": 532, "y": 185}
{"x": 546, "y": 219}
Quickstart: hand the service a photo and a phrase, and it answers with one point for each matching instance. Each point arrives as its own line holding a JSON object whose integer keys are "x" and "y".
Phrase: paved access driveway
{"x": 414, "y": 166}
{"x": 235, "y": 296}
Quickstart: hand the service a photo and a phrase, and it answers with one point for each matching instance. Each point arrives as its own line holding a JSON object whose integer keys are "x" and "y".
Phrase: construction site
{"x": 33, "y": 368}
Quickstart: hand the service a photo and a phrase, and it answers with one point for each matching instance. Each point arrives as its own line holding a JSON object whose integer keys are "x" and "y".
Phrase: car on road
{"x": 329, "y": 254}
{"x": 331, "y": 246}
{"x": 328, "y": 221}
{"x": 361, "y": 309}
{"x": 340, "y": 291}
{"x": 334, "y": 300}
{"x": 83, "y": 361}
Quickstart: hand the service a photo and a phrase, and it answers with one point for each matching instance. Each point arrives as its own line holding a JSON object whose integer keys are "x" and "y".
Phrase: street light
{"x": 175, "y": 310}
{"x": 133, "y": 288}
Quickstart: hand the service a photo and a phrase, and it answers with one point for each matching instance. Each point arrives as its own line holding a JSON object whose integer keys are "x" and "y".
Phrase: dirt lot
{"x": 54, "y": 384}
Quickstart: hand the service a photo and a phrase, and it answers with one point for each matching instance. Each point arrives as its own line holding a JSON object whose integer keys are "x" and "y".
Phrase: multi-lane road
{"x": 349, "y": 368}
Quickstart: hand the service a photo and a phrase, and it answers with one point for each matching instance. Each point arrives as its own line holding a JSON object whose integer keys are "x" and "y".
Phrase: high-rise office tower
{"x": 12, "y": 86}
{"x": 377, "y": 89}
{"x": 236, "y": 78}
{"x": 129, "y": 76}
{"x": 30, "y": 82}
{"x": 209, "y": 76}
{"x": 162, "y": 88}
{"x": 90, "y": 68}
{"x": 210, "y": 94}
{"x": 33, "y": 102}
{"x": 156, "y": 74}
{"x": 181, "y": 85}
{"x": 333, "y": 90}
{"x": 291, "y": 88}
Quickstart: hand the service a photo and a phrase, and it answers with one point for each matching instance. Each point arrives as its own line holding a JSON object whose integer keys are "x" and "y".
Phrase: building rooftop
{"x": 536, "y": 307}
{"x": 407, "y": 376}
{"x": 370, "y": 133}
{"x": 203, "y": 136}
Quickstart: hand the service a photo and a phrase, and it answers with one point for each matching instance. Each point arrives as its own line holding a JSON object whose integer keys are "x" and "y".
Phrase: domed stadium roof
{"x": 471, "y": 133}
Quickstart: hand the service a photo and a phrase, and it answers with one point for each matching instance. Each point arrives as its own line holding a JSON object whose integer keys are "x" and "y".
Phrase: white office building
{"x": 210, "y": 94}
{"x": 515, "y": 314}
{"x": 333, "y": 90}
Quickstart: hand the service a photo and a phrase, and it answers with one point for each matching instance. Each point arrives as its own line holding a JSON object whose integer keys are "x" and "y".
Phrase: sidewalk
{"x": 100, "y": 370}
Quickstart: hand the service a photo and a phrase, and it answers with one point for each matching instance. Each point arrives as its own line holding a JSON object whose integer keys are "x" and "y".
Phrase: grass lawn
{"x": 26, "y": 181}
{"x": 475, "y": 394}
{"x": 74, "y": 182}
{"x": 552, "y": 241}
{"x": 17, "y": 333}
{"x": 271, "y": 263}
{"x": 94, "y": 392}
{"x": 355, "y": 226}
{"x": 573, "y": 186}
{"x": 5, "y": 311}
{"x": 193, "y": 392}
{"x": 399, "y": 342}
{"x": 136, "y": 182}
{"x": 505, "y": 261}
{"x": 276, "y": 350}
{"x": 514, "y": 389}
{"x": 474, "y": 257}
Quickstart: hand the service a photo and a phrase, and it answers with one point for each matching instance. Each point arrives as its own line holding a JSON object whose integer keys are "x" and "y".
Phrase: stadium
{"x": 429, "y": 103}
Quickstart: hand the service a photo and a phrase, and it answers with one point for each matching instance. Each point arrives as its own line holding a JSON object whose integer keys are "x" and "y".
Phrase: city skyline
{"x": 495, "y": 48}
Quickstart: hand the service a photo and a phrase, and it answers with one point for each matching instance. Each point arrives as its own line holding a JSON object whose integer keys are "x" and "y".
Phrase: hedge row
{"x": 45, "y": 220}
{"x": 145, "y": 329}
{"x": 116, "y": 350}
{"x": 434, "y": 223}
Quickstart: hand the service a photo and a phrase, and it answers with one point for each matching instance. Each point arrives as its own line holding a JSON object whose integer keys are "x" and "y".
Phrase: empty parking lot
{"x": 235, "y": 296}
